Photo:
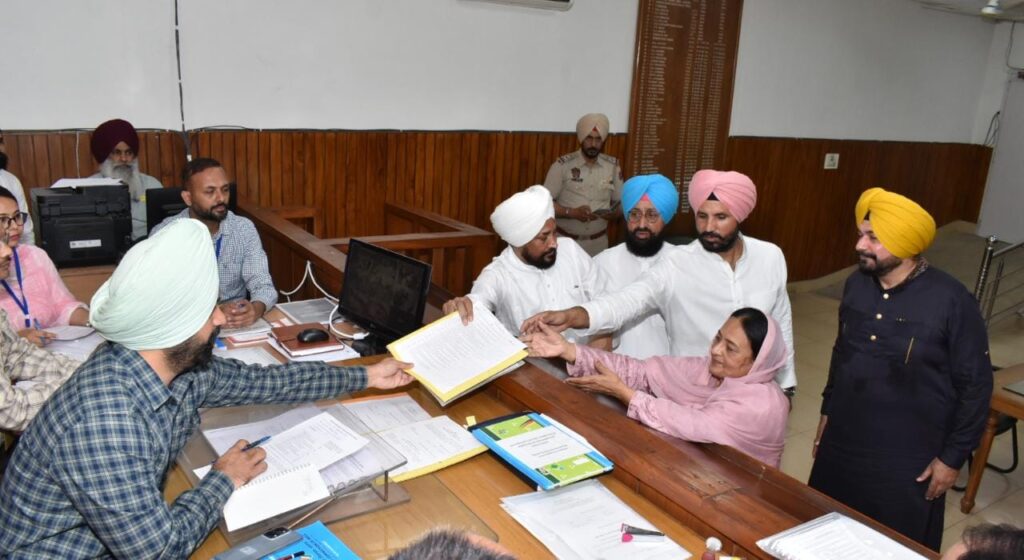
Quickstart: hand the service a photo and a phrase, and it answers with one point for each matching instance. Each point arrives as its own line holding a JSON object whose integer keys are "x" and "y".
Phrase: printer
{"x": 83, "y": 222}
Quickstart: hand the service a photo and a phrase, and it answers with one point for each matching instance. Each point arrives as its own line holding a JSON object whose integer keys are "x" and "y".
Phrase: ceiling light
{"x": 992, "y": 8}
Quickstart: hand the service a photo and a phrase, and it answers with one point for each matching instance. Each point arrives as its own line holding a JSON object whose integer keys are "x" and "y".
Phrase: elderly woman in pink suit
{"x": 728, "y": 397}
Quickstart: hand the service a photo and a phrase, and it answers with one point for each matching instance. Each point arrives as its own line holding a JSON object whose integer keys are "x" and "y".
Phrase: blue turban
{"x": 658, "y": 188}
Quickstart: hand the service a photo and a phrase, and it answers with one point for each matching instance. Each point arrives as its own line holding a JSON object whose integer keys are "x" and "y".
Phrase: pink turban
{"x": 735, "y": 190}
{"x": 589, "y": 123}
{"x": 109, "y": 134}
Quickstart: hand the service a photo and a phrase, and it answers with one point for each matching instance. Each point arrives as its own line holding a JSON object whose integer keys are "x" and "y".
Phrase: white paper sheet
{"x": 449, "y": 353}
{"x": 539, "y": 448}
{"x": 86, "y": 182}
{"x": 256, "y": 331}
{"x": 386, "y": 413}
{"x": 585, "y": 518}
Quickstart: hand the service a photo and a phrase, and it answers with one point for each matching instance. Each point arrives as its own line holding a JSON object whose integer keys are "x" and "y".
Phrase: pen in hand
{"x": 249, "y": 447}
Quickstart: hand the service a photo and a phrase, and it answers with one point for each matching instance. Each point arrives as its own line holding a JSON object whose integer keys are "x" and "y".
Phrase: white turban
{"x": 162, "y": 293}
{"x": 520, "y": 218}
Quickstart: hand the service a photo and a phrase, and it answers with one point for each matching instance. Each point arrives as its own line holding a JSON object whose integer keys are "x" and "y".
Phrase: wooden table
{"x": 1003, "y": 402}
{"x": 478, "y": 483}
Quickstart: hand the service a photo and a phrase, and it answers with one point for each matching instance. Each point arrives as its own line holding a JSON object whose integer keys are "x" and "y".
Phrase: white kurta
{"x": 11, "y": 183}
{"x": 515, "y": 291}
{"x": 646, "y": 335}
{"x": 696, "y": 291}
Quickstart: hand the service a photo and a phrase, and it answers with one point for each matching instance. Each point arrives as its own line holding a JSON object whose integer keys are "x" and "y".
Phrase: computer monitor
{"x": 161, "y": 203}
{"x": 383, "y": 292}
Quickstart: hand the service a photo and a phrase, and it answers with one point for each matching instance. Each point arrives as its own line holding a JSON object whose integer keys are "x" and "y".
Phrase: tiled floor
{"x": 1001, "y": 497}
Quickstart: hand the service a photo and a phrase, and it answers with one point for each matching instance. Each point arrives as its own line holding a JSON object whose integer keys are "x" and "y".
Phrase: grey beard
{"x": 129, "y": 173}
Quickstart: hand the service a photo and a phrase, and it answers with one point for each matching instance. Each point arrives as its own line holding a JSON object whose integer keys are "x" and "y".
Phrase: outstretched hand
{"x": 388, "y": 374}
{"x": 547, "y": 343}
{"x": 605, "y": 382}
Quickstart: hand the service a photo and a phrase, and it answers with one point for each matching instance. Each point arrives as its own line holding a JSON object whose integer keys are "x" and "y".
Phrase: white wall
{"x": 354, "y": 64}
{"x": 1002, "y": 209}
{"x": 70, "y": 64}
{"x": 858, "y": 69}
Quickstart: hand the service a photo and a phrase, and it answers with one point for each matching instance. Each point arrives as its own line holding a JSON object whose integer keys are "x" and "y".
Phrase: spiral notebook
{"x": 275, "y": 494}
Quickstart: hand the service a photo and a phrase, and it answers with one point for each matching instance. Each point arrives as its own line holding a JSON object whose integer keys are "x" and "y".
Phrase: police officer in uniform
{"x": 586, "y": 186}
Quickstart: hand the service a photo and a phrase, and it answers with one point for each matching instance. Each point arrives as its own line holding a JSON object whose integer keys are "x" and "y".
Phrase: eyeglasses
{"x": 17, "y": 217}
{"x": 651, "y": 214}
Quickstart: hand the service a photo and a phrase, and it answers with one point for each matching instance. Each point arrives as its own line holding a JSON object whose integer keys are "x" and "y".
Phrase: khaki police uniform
{"x": 575, "y": 182}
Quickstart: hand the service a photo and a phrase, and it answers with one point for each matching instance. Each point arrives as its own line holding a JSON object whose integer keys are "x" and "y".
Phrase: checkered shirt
{"x": 86, "y": 478}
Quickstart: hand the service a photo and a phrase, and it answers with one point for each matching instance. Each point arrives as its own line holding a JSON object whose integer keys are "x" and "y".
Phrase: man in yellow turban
{"x": 910, "y": 381}
{"x": 86, "y": 478}
{"x": 586, "y": 185}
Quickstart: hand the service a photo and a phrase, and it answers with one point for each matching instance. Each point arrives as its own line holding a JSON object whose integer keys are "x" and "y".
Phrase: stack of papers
{"x": 428, "y": 444}
{"x": 452, "y": 359}
{"x": 584, "y": 521}
{"x": 256, "y": 332}
{"x": 835, "y": 537}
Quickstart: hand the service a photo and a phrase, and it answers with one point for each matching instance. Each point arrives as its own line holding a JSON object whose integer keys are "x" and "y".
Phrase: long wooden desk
{"x": 1003, "y": 402}
{"x": 478, "y": 483}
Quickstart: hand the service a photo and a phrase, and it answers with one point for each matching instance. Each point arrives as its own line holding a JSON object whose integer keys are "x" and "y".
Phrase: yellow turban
{"x": 904, "y": 228}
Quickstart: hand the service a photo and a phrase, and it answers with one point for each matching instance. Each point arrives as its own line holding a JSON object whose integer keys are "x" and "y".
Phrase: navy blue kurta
{"x": 910, "y": 380}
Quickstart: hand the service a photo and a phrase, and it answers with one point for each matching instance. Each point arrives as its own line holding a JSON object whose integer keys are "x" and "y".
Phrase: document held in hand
{"x": 549, "y": 454}
{"x": 452, "y": 359}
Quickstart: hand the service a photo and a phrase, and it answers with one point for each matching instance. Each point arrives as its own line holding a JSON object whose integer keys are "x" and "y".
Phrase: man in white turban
{"x": 86, "y": 478}
{"x": 537, "y": 269}
{"x": 586, "y": 186}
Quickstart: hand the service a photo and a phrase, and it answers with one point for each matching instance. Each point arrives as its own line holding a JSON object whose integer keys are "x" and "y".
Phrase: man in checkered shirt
{"x": 86, "y": 479}
{"x": 246, "y": 288}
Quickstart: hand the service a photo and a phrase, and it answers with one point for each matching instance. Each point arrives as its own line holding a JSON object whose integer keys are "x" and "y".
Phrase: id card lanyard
{"x": 23, "y": 300}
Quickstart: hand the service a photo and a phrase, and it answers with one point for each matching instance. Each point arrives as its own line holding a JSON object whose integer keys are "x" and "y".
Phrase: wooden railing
{"x": 456, "y": 251}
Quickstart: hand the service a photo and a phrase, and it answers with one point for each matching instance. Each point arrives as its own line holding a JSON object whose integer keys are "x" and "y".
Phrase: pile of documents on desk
{"x": 836, "y": 537}
{"x": 585, "y": 521}
{"x": 254, "y": 333}
{"x": 310, "y": 454}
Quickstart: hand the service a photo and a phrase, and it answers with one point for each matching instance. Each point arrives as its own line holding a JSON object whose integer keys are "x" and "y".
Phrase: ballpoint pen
{"x": 251, "y": 445}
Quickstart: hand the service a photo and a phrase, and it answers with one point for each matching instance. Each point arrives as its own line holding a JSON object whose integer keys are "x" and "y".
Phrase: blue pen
{"x": 219, "y": 343}
{"x": 256, "y": 443}
{"x": 252, "y": 445}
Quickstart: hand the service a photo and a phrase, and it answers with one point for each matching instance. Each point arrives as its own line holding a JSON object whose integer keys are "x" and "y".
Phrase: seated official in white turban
{"x": 538, "y": 269}
{"x": 86, "y": 478}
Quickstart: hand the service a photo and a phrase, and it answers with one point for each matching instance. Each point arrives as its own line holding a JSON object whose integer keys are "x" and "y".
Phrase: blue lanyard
{"x": 216, "y": 247}
{"x": 23, "y": 300}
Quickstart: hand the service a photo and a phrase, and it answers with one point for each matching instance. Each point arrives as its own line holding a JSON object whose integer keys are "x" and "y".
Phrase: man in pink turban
{"x": 696, "y": 286}
{"x": 586, "y": 185}
{"x": 115, "y": 146}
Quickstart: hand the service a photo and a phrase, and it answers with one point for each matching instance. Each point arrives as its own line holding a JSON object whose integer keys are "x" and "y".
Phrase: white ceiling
{"x": 1013, "y": 10}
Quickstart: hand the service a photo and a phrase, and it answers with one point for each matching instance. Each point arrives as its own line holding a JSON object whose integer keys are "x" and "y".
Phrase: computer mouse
{"x": 312, "y": 335}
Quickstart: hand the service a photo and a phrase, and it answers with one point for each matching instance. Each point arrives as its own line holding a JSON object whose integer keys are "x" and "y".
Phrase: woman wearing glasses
{"x": 33, "y": 295}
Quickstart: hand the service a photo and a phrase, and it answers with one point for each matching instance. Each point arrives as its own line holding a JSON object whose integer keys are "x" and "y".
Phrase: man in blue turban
{"x": 649, "y": 202}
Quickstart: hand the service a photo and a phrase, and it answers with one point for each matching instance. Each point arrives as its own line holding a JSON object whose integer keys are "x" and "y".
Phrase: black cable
{"x": 181, "y": 92}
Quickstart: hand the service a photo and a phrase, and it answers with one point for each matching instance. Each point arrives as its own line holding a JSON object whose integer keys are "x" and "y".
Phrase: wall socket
{"x": 831, "y": 161}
